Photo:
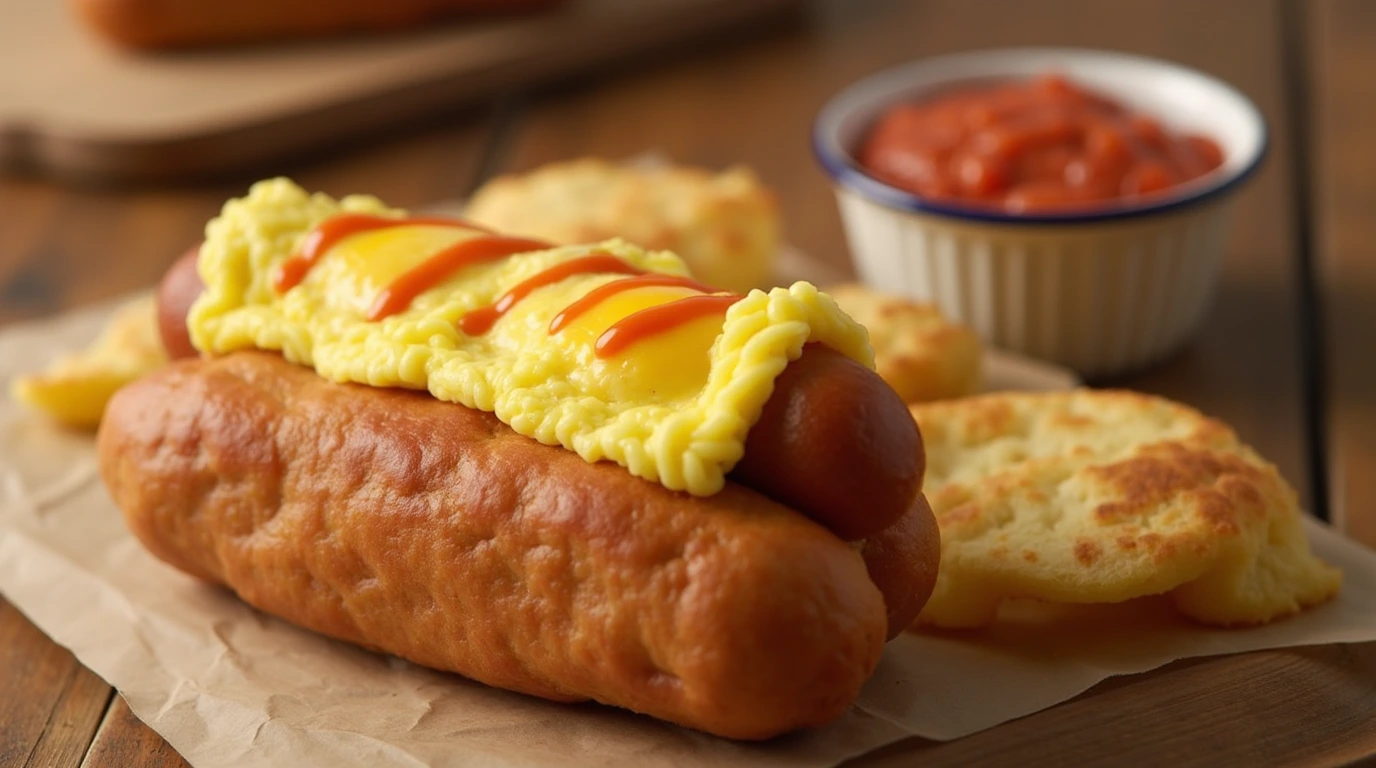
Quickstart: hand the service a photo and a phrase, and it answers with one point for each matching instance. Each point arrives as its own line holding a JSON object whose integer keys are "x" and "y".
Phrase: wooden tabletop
{"x": 1286, "y": 354}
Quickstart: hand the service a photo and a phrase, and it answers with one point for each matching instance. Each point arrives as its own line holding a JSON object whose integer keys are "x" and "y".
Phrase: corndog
{"x": 754, "y": 603}
{"x": 513, "y": 563}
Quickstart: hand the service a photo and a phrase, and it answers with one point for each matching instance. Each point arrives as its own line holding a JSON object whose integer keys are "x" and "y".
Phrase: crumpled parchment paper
{"x": 228, "y": 686}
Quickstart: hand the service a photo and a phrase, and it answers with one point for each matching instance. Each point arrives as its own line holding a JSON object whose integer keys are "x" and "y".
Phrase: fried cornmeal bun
{"x": 724, "y": 225}
{"x": 1104, "y": 496}
{"x": 918, "y": 351}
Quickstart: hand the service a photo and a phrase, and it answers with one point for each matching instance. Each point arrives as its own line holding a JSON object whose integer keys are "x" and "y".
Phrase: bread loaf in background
{"x": 156, "y": 24}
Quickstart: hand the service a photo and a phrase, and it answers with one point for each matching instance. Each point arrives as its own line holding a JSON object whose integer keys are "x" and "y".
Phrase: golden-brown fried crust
{"x": 921, "y": 354}
{"x": 724, "y": 224}
{"x": 433, "y": 532}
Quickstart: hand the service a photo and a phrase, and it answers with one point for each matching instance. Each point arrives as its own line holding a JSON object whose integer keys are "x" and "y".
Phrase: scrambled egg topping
{"x": 673, "y": 407}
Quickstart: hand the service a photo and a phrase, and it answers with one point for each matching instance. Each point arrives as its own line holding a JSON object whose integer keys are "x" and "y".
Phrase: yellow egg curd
{"x": 673, "y": 407}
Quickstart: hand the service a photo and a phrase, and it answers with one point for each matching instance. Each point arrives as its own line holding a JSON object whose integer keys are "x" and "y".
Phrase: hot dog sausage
{"x": 902, "y": 561}
{"x": 176, "y": 293}
{"x": 833, "y": 442}
{"x": 511, "y": 562}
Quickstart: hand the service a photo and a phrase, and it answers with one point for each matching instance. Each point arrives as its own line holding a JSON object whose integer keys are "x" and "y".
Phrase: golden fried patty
{"x": 1103, "y": 496}
{"x": 918, "y": 351}
{"x": 725, "y": 225}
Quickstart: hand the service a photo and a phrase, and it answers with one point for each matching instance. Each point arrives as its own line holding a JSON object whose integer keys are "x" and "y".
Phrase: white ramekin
{"x": 1102, "y": 291}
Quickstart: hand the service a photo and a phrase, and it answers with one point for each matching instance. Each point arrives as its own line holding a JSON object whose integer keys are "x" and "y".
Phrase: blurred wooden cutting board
{"x": 74, "y": 106}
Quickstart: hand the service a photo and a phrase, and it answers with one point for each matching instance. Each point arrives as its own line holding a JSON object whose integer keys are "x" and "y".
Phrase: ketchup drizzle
{"x": 330, "y": 231}
{"x": 605, "y": 291}
{"x": 480, "y": 320}
{"x": 398, "y": 295}
{"x": 659, "y": 319}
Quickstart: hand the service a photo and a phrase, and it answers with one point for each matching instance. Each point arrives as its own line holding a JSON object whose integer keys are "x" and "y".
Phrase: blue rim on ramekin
{"x": 839, "y": 165}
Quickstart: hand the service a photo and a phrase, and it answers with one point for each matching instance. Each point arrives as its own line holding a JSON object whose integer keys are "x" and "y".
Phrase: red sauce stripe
{"x": 399, "y": 294}
{"x": 327, "y": 233}
{"x": 402, "y": 291}
{"x": 659, "y": 319}
{"x": 603, "y": 292}
{"x": 480, "y": 320}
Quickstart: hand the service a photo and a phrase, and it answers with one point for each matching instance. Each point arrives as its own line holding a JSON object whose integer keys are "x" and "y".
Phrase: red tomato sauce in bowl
{"x": 1031, "y": 146}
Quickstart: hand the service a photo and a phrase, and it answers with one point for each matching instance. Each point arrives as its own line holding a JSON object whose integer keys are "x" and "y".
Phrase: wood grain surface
{"x": 751, "y": 101}
{"x": 53, "y": 704}
{"x": 85, "y": 109}
{"x": 123, "y": 741}
{"x": 1343, "y": 60}
{"x": 1194, "y": 712}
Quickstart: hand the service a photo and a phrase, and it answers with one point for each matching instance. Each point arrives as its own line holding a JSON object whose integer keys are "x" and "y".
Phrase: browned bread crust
{"x": 190, "y": 23}
{"x": 433, "y": 532}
